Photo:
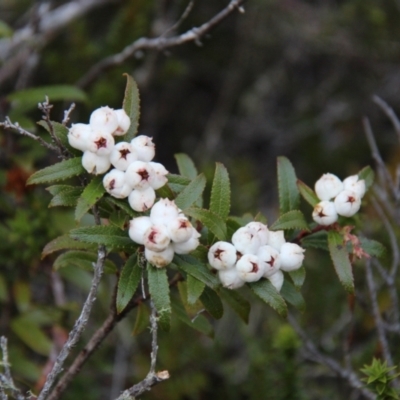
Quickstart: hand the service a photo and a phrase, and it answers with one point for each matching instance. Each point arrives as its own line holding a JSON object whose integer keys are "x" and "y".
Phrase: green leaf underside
{"x": 105, "y": 235}
{"x": 212, "y": 221}
{"x": 186, "y": 166}
{"x": 90, "y": 195}
{"x": 220, "y": 200}
{"x": 292, "y": 296}
{"x": 56, "y": 189}
{"x": 341, "y": 260}
{"x": 159, "y": 291}
{"x": 68, "y": 197}
{"x": 128, "y": 282}
{"x": 212, "y": 303}
{"x": 199, "y": 323}
{"x": 289, "y": 197}
{"x": 195, "y": 288}
{"x": 317, "y": 240}
{"x": 83, "y": 260}
{"x": 118, "y": 218}
{"x": 307, "y": 193}
{"x": 131, "y": 105}
{"x": 298, "y": 277}
{"x": 237, "y": 302}
{"x": 191, "y": 193}
{"x": 291, "y": 220}
{"x": 267, "y": 293}
{"x": 122, "y": 205}
{"x": 57, "y": 172}
{"x": 65, "y": 242}
{"x": 193, "y": 267}
{"x": 178, "y": 180}
{"x": 368, "y": 175}
{"x": 372, "y": 247}
{"x": 142, "y": 319}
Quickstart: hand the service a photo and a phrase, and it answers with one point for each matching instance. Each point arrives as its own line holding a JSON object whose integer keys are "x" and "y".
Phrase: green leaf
{"x": 128, "y": 282}
{"x": 28, "y": 99}
{"x": 372, "y": 247}
{"x": 292, "y": 296}
{"x": 122, "y": 204}
{"x": 57, "y": 172}
{"x": 289, "y": 197}
{"x": 131, "y": 105}
{"x": 220, "y": 201}
{"x": 83, "y": 260}
{"x": 368, "y": 175}
{"x": 142, "y": 319}
{"x": 237, "y": 302}
{"x": 267, "y": 293}
{"x": 105, "y": 235}
{"x": 341, "y": 260}
{"x": 199, "y": 323}
{"x": 179, "y": 180}
{"x": 186, "y": 166}
{"x": 5, "y": 30}
{"x": 193, "y": 267}
{"x": 212, "y": 221}
{"x": 3, "y": 289}
{"x": 307, "y": 193}
{"x": 291, "y": 220}
{"x": 119, "y": 219}
{"x": 195, "y": 288}
{"x": 298, "y": 277}
{"x": 91, "y": 194}
{"x": 159, "y": 291}
{"x": 317, "y": 240}
{"x": 61, "y": 133}
{"x": 67, "y": 197}
{"x": 65, "y": 242}
{"x": 212, "y": 303}
{"x": 191, "y": 193}
{"x": 231, "y": 226}
{"x": 22, "y": 295}
{"x": 165, "y": 192}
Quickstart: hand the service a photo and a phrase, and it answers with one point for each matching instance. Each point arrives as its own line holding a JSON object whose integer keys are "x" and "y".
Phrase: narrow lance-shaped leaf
{"x": 212, "y": 303}
{"x": 307, "y": 193}
{"x": 237, "y": 302}
{"x": 212, "y": 221}
{"x": 298, "y": 277}
{"x": 292, "y": 296}
{"x": 57, "y": 172}
{"x": 291, "y": 220}
{"x": 159, "y": 291}
{"x": 68, "y": 197}
{"x": 317, "y": 240}
{"x": 83, "y": 260}
{"x": 289, "y": 197}
{"x": 372, "y": 247}
{"x": 186, "y": 166}
{"x": 220, "y": 201}
{"x": 368, "y": 175}
{"x": 341, "y": 260}
{"x": 191, "y": 193}
{"x": 142, "y": 319}
{"x": 91, "y": 194}
{"x": 65, "y": 242}
{"x": 131, "y": 105}
{"x": 194, "y": 289}
{"x": 267, "y": 293}
{"x": 128, "y": 282}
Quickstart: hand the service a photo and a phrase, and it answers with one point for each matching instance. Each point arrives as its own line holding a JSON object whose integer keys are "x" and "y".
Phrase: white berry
{"x": 95, "y": 164}
{"x": 142, "y": 200}
{"x": 249, "y": 268}
{"x": 347, "y": 203}
{"x": 144, "y": 146}
{"x": 328, "y": 186}
{"x": 270, "y": 258}
{"x": 325, "y": 213}
{"x": 292, "y": 256}
{"x": 222, "y": 255}
{"x": 137, "y": 228}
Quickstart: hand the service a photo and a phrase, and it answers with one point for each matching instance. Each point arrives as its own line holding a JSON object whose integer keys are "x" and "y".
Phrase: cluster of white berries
{"x": 337, "y": 198}
{"x": 255, "y": 252}
{"x": 134, "y": 175}
{"x": 165, "y": 232}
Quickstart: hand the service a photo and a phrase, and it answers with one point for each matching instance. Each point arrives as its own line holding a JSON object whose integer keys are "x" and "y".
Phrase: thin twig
{"x": 67, "y": 114}
{"x": 178, "y": 23}
{"x": 389, "y": 113}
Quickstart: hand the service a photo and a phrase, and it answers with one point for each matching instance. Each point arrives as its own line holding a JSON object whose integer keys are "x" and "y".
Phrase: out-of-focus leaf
{"x": 341, "y": 260}
{"x": 57, "y": 172}
{"x": 191, "y": 193}
{"x": 298, "y": 277}
{"x": 90, "y": 195}
{"x": 237, "y": 302}
{"x": 267, "y": 293}
{"x": 231, "y": 226}
{"x": 68, "y": 197}
{"x": 165, "y": 192}
{"x": 65, "y": 242}
{"x": 83, "y": 260}
{"x": 372, "y": 247}
{"x": 123, "y": 205}
{"x": 186, "y": 166}
{"x": 5, "y": 30}
{"x": 61, "y": 133}
{"x": 212, "y": 221}
{"x": 128, "y": 282}
{"x": 292, "y": 296}
{"x": 307, "y": 193}
{"x": 220, "y": 201}
{"x": 291, "y": 220}
{"x": 212, "y": 303}
{"x": 159, "y": 291}
{"x": 78, "y": 277}
{"x": 142, "y": 319}
{"x": 118, "y": 218}
{"x": 131, "y": 105}
{"x": 194, "y": 289}
{"x": 317, "y": 240}
{"x": 22, "y": 295}
{"x": 3, "y": 289}
{"x": 289, "y": 197}
{"x": 368, "y": 175}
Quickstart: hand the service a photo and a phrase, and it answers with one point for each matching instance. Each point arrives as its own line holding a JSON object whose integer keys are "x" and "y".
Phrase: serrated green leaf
{"x": 142, "y": 319}
{"x": 237, "y": 302}
{"x": 193, "y": 267}
{"x": 307, "y": 193}
{"x": 165, "y": 192}
{"x": 65, "y": 242}
{"x": 83, "y": 260}
{"x": 291, "y": 220}
{"x": 341, "y": 260}
{"x": 298, "y": 277}
{"x": 186, "y": 166}
{"x": 159, "y": 291}
{"x": 57, "y": 172}
{"x": 90, "y": 195}
{"x": 61, "y": 133}
{"x": 220, "y": 200}
{"x": 317, "y": 240}
{"x": 372, "y": 247}
{"x": 105, "y": 235}
{"x": 212, "y": 303}
{"x": 368, "y": 175}
{"x": 194, "y": 289}
{"x": 68, "y": 197}
{"x": 292, "y": 296}
{"x": 123, "y": 205}
{"x": 191, "y": 193}
{"x": 191, "y": 309}
{"x": 212, "y": 221}
{"x": 199, "y": 323}
{"x": 289, "y": 197}
{"x": 128, "y": 282}
{"x": 56, "y": 189}
{"x": 119, "y": 219}
{"x": 178, "y": 180}
{"x": 267, "y": 293}
{"x": 131, "y": 105}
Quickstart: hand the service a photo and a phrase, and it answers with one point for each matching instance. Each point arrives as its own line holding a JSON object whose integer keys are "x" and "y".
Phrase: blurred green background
{"x": 288, "y": 77}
